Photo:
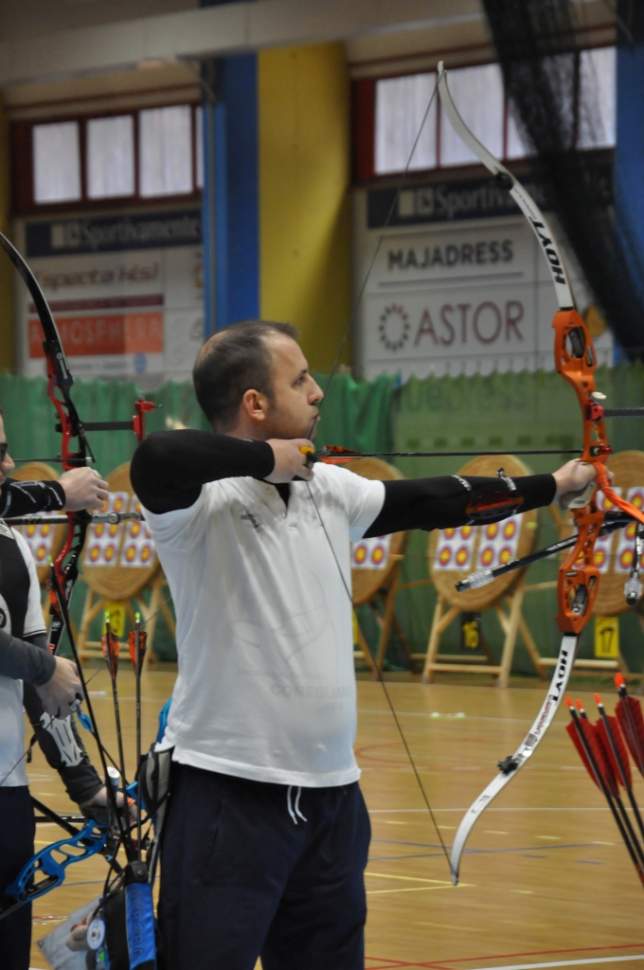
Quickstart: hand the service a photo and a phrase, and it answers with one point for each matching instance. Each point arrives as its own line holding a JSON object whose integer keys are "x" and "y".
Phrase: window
{"x": 110, "y": 157}
{"x": 56, "y": 174}
{"x": 401, "y": 108}
{"x": 199, "y": 147}
{"x": 165, "y": 166}
{"x": 478, "y": 94}
{"x": 398, "y": 106}
{"x": 598, "y": 88}
{"x": 132, "y": 156}
{"x": 516, "y": 144}
{"x": 403, "y": 104}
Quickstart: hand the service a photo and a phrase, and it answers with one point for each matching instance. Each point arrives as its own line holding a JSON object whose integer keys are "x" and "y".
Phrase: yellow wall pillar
{"x": 304, "y": 206}
{"x": 7, "y": 327}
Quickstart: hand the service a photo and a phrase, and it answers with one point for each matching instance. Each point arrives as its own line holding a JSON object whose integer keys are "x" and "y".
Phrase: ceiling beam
{"x": 214, "y": 31}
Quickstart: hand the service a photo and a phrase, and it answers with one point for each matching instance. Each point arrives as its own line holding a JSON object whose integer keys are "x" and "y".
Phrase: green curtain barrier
{"x": 355, "y": 413}
{"x": 508, "y": 412}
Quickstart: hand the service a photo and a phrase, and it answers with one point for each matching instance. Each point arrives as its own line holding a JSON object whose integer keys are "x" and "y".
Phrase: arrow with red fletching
{"x": 631, "y": 721}
{"x": 111, "y": 648}
{"x": 137, "y": 644}
{"x": 582, "y": 735}
{"x": 611, "y": 775}
{"x": 584, "y": 738}
{"x": 615, "y": 751}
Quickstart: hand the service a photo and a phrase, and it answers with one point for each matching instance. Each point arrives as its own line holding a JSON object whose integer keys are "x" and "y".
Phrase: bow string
{"x": 336, "y": 454}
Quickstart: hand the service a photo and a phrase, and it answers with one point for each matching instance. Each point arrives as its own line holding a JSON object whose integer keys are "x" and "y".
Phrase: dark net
{"x": 554, "y": 101}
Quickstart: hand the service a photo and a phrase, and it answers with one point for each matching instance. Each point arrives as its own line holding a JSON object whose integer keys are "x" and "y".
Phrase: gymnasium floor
{"x": 545, "y": 881}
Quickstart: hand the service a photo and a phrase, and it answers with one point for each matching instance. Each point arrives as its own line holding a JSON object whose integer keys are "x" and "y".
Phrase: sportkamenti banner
{"x": 106, "y": 234}
{"x": 126, "y": 293}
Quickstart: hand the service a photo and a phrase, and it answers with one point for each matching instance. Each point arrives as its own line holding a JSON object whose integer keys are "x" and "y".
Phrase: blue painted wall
{"x": 230, "y": 198}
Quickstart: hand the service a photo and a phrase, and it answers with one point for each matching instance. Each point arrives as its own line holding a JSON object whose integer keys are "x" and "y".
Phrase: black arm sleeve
{"x": 169, "y": 467}
{"x": 59, "y": 740}
{"x": 28, "y": 498}
{"x": 24, "y": 660}
{"x": 438, "y": 503}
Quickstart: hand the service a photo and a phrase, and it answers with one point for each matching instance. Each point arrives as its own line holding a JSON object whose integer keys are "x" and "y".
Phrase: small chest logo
{"x": 249, "y": 517}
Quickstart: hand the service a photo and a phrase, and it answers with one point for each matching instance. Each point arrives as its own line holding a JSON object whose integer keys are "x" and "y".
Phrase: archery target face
{"x": 138, "y": 545}
{"x": 625, "y": 545}
{"x": 40, "y": 539}
{"x": 127, "y": 544}
{"x": 499, "y": 543}
{"x": 103, "y": 541}
{"x": 371, "y": 553}
{"x": 614, "y": 553}
{"x": 455, "y": 549}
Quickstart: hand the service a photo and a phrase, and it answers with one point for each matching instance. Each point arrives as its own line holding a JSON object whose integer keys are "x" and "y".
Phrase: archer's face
{"x": 7, "y": 463}
{"x": 293, "y": 411}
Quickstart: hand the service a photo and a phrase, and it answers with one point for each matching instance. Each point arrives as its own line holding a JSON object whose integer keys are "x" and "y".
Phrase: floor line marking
{"x": 386, "y": 875}
{"x": 540, "y": 953}
{"x": 517, "y": 808}
{"x": 408, "y": 889}
{"x": 586, "y": 961}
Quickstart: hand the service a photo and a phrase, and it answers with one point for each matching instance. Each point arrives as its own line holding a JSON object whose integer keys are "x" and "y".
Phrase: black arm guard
{"x": 61, "y": 745}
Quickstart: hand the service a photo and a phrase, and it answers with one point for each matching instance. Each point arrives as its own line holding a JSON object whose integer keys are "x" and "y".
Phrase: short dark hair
{"x": 232, "y": 361}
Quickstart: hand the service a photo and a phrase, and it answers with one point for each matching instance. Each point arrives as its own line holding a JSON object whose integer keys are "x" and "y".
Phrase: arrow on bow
{"x": 578, "y": 580}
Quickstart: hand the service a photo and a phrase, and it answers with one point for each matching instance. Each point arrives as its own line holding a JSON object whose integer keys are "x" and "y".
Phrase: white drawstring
{"x": 289, "y": 806}
{"x": 297, "y": 806}
{"x": 294, "y": 808}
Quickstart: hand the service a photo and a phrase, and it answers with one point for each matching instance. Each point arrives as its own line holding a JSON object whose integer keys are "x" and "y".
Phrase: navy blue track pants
{"x": 16, "y": 847}
{"x": 252, "y": 869}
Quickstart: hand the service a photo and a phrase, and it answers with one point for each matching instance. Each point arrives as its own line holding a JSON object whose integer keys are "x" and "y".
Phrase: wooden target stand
{"x": 122, "y": 573}
{"x": 455, "y": 553}
{"x": 614, "y": 556}
{"x": 375, "y": 573}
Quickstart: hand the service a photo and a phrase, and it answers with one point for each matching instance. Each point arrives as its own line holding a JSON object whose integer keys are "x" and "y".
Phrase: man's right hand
{"x": 84, "y": 489}
{"x": 62, "y": 690}
{"x": 291, "y": 460}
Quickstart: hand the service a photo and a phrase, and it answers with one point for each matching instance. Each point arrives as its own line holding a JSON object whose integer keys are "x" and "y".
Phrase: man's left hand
{"x": 98, "y": 807}
{"x": 575, "y": 482}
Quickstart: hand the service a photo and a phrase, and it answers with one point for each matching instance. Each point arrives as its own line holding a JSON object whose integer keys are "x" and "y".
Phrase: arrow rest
{"x": 508, "y": 765}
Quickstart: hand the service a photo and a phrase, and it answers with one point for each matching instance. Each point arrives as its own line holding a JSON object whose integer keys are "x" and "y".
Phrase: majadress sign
{"x": 459, "y": 284}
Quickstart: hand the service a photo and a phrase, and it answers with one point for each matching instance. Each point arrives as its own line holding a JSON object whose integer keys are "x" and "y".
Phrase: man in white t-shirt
{"x": 266, "y": 834}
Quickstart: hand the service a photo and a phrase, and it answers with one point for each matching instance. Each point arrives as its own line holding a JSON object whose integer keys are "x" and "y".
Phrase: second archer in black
{"x": 45, "y": 684}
